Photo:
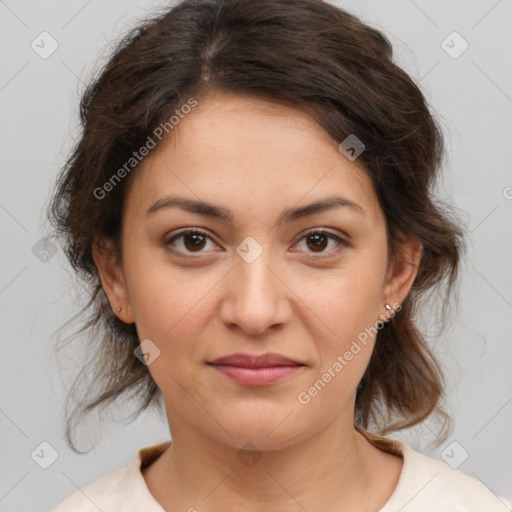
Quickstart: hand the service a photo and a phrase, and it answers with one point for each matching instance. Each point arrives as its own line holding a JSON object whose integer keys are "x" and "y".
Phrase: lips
{"x": 251, "y": 361}
{"x": 262, "y": 370}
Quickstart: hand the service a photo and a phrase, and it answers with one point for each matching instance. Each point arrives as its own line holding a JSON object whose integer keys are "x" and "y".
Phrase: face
{"x": 266, "y": 276}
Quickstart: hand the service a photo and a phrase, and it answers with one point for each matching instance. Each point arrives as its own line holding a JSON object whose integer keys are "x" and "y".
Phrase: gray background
{"x": 472, "y": 96}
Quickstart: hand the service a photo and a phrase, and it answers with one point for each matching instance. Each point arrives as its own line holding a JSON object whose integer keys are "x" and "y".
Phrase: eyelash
{"x": 342, "y": 243}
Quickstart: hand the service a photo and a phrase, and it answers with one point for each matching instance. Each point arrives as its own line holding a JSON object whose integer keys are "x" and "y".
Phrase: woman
{"x": 251, "y": 203}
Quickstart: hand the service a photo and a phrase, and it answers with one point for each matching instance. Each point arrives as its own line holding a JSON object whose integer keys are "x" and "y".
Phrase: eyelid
{"x": 342, "y": 241}
{"x": 318, "y": 231}
{"x": 185, "y": 231}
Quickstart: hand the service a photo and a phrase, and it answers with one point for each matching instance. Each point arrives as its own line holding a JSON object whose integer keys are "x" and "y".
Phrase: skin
{"x": 256, "y": 158}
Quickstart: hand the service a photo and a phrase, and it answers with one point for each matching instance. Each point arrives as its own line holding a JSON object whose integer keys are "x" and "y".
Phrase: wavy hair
{"x": 315, "y": 57}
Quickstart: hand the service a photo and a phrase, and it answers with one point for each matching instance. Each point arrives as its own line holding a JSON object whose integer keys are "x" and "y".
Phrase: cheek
{"x": 162, "y": 296}
{"x": 348, "y": 303}
{"x": 350, "y": 310}
{"x": 169, "y": 308}
{"x": 349, "y": 300}
{"x": 172, "y": 308}
{"x": 173, "y": 312}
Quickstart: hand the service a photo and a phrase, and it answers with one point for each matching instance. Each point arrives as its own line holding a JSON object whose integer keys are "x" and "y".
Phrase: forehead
{"x": 245, "y": 151}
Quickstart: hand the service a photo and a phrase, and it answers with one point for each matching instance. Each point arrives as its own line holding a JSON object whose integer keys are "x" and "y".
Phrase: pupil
{"x": 318, "y": 239}
{"x": 197, "y": 240}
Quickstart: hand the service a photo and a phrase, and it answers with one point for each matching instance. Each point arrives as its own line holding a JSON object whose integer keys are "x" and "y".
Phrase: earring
{"x": 388, "y": 307}
{"x": 118, "y": 310}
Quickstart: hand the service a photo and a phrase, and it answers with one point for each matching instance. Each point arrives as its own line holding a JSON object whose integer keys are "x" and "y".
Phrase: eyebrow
{"x": 288, "y": 215}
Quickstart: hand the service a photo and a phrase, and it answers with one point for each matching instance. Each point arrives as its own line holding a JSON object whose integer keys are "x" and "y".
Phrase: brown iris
{"x": 197, "y": 241}
{"x": 317, "y": 241}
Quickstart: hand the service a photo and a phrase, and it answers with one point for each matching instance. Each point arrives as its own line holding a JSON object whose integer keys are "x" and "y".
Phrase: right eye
{"x": 190, "y": 240}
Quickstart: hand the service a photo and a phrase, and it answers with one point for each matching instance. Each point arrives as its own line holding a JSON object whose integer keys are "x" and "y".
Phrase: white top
{"x": 425, "y": 485}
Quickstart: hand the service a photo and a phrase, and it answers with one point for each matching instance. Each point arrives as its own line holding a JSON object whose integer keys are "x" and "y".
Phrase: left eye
{"x": 193, "y": 241}
{"x": 319, "y": 240}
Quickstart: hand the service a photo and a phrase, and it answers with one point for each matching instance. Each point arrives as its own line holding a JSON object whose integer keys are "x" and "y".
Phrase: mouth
{"x": 251, "y": 370}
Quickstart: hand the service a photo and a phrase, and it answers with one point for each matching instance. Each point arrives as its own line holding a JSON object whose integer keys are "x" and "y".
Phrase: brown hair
{"x": 317, "y": 58}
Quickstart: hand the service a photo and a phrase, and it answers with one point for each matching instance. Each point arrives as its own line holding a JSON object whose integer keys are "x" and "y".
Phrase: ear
{"x": 112, "y": 279}
{"x": 403, "y": 269}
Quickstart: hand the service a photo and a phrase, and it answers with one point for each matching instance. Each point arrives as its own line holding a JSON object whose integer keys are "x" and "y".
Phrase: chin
{"x": 266, "y": 435}
{"x": 258, "y": 443}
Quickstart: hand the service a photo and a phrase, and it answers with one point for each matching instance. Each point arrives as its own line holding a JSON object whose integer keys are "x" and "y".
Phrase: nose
{"x": 257, "y": 296}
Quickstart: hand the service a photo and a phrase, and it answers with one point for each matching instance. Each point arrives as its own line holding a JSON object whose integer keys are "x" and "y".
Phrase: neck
{"x": 332, "y": 470}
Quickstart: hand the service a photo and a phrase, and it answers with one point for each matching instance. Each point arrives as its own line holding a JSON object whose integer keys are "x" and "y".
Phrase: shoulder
{"x": 427, "y": 484}
{"x": 103, "y": 494}
{"x": 124, "y": 489}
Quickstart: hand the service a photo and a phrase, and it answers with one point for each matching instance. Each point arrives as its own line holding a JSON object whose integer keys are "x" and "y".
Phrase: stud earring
{"x": 118, "y": 310}
{"x": 388, "y": 307}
